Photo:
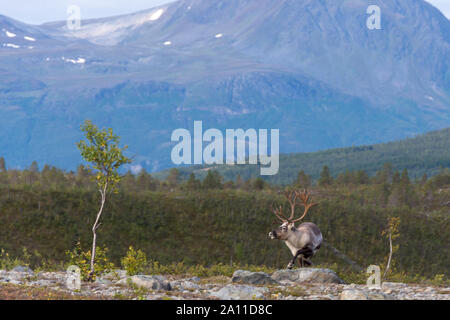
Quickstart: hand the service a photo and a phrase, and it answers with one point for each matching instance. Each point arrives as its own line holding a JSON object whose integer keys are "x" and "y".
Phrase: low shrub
{"x": 135, "y": 262}
{"x": 82, "y": 259}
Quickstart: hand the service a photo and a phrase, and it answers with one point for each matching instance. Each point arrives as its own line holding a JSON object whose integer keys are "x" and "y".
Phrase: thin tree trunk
{"x": 94, "y": 232}
{"x": 390, "y": 255}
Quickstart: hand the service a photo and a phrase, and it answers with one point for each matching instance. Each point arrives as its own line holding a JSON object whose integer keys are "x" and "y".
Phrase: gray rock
{"x": 360, "y": 294}
{"x": 194, "y": 279}
{"x": 23, "y": 269}
{"x": 151, "y": 282}
{"x": 188, "y": 285}
{"x": 102, "y": 280}
{"x": 176, "y": 285}
{"x": 42, "y": 283}
{"x": 184, "y": 285}
{"x": 379, "y": 296}
{"x": 307, "y": 275}
{"x": 353, "y": 294}
{"x": 115, "y": 275}
{"x": 243, "y": 276}
{"x": 123, "y": 281}
{"x": 394, "y": 285}
{"x": 239, "y": 292}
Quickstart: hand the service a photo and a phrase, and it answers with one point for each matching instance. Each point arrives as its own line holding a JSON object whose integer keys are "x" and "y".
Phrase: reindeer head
{"x": 288, "y": 224}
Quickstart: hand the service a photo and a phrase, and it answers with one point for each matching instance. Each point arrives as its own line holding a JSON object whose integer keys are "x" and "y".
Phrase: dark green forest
{"x": 215, "y": 220}
{"x": 426, "y": 153}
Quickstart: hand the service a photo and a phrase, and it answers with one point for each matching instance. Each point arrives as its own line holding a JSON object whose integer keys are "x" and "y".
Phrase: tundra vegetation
{"x": 211, "y": 226}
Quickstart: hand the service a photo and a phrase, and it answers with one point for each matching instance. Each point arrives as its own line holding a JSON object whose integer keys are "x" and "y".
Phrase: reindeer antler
{"x": 278, "y": 213}
{"x": 291, "y": 196}
{"x": 304, "y": 197}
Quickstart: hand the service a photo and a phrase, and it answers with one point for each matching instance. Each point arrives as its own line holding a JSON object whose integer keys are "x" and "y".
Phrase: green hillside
{"x": 48, "y": 211}
{"x": 218, "y": 221}
{"x": 217, "y": 227}
{"x": 427, "y": 153}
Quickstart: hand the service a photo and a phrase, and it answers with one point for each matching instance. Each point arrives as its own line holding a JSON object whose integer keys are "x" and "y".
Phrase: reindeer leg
{"x": 300, "y": 262}
{"x": 306, "y": 251}
{"x": 307, "y": 258}
{"x": 308, "y": 262}
{"x": 292, "y": 263}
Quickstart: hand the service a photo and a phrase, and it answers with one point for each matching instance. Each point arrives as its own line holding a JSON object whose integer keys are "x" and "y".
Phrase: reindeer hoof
{"x": 308, "y": 263}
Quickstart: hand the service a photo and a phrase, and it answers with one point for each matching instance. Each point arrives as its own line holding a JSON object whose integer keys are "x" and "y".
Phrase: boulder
{"x": 148, "y": 282}
{"x": 353, "y": 294}
{"x": 374, "y": 295}
{"x": 23, "y": 269}
{"x": 361, "y": 294}
{"x": 115, "y": 275}
{"x": 239, "y": 292}
{"x": 104, "y": 281}
{"x": 243, "y": 276}
{"x": 194, "y": 279}
{"x": 184, "y": 285}
{"x": 307, "y": 275}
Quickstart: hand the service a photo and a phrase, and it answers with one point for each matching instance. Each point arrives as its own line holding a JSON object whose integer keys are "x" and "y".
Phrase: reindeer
{"x": 304, "y": 240}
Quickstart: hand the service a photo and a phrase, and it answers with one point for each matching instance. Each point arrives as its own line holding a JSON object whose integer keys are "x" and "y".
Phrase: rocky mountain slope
{"x": 311, "y": 68}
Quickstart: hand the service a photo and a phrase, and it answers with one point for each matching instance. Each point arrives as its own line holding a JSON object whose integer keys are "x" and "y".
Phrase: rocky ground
{"x": 299, "y": 284}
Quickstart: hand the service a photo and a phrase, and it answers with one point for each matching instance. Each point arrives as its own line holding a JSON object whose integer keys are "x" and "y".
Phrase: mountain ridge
{"x": 310, "y": 68}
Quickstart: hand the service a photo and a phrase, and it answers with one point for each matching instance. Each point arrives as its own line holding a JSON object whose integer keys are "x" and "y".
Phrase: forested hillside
{"x": 216, "y": 221}
{"x": 424, "y": 154}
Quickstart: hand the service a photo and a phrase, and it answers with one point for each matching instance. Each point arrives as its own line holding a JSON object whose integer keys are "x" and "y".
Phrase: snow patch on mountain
{"x": 10, "y": 34}
{"x": 11, "y": 45}
{"x": 156, "y": 15}
{"x": 78, "y": 61}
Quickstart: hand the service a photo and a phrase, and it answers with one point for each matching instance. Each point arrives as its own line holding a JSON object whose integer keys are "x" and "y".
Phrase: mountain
{"x": 310, "y": 68}
{"x": 425, "y": 154}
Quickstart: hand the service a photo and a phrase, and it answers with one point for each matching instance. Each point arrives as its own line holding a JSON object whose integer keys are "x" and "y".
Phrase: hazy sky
{"x": 50, "y": 10}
